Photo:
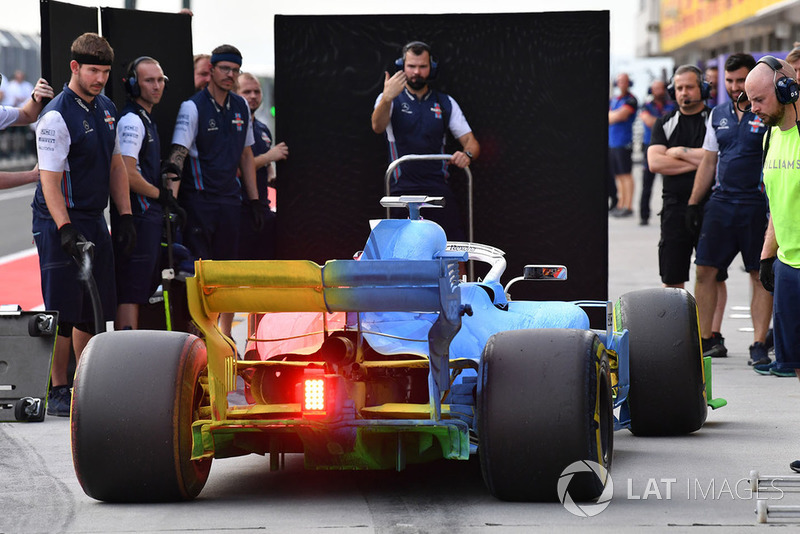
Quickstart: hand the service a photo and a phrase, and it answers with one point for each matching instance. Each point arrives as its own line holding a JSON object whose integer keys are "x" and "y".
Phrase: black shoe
{"x": 714, "y": 346}
{"x": 59, "y": 399}
{"x": 643, "y": 222}
{"x": 758, "y": 354}
{"x": 795, "y": 466}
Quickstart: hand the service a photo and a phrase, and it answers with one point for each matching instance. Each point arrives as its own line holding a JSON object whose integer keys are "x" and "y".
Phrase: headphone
{"x": 786, "y": 89}
{"x": 130, "y": 80}
{"x": 400, "y": 62}
{"x": 705, "y": 87}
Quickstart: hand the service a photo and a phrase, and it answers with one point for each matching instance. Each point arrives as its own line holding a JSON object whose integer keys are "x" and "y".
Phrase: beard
{"x": 417, "y": 83}
{"x": 774, "y": 120}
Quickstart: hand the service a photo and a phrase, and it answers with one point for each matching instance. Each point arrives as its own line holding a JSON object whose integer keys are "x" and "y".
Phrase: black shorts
{"x": 620, "y": 160}
{"x": 729, "y": 229}
{"x": 676, "y": 244}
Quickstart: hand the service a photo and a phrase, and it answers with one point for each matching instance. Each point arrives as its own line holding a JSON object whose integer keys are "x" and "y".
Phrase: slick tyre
{"x": 135, "y": 397}
{"x": 667, "y": 386}
{"x": 544, "y": 402}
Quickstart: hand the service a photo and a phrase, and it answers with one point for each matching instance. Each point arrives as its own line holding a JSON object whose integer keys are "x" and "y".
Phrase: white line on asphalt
{"x": 17, "y": 255}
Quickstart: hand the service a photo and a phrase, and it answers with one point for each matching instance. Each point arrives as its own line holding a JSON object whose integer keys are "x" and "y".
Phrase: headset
{"x": 400, "y": 62}
{"x": 130, "y": 80}
{"x": 705, "y": 87}
{"x": 786, "y": 89}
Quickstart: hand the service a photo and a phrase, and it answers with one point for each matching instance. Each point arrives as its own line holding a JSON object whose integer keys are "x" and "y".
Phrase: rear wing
{"x": 338, "y": 286}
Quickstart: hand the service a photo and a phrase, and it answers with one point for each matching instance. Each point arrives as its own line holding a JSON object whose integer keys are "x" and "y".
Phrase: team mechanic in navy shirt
{"x": 254, "y": 244}
{"x": 735, "y": 217}
{"x": 79, "y": 164}
{"x": 137, "y": 273}
{"x": 215, "y": 130}
{"x": 416, "y": 119}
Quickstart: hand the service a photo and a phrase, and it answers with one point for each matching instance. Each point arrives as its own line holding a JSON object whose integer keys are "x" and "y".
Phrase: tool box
{"x": 27, "y": 341}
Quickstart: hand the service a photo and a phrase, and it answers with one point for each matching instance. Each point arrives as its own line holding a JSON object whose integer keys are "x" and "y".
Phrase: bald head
{"x": 760, "y": 89}
{"x": 623, "y": 82}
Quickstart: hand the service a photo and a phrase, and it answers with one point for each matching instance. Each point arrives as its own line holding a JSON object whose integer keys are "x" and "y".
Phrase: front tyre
{"x": 667, "y": 395}
{"x": 544, "y": 402}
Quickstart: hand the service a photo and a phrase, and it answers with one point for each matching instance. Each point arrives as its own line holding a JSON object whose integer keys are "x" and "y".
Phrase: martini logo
{"x": 588, "y": 509}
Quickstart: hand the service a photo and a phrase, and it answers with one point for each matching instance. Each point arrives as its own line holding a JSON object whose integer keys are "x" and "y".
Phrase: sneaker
{"x": 643, "y": 222}
{"x": 758, "y": 354}
{"x": 784, "y": 373}
{"x": 59, "y": 399}
{"x": 714, "y": 346}
{"x": 623, "y": 212}
{"x": 795, "y": 466}
{"x": 764, "y": 368}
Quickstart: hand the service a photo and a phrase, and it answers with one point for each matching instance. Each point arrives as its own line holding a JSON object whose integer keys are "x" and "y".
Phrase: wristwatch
{"x": 469, "y": 154}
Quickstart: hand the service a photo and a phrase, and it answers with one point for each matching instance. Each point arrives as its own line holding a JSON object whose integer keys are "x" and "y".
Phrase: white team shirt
{"x": 458, "y": 124}
{"x": 8, "y": 116}
{"x": 185, "y": 133}
{"x": 131, "y": 134}
{"x": 710, "y": 140}
{"x": 53, "y": 142}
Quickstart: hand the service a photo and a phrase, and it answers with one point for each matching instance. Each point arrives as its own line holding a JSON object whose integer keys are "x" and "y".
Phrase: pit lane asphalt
{"x": 679, "y": 484}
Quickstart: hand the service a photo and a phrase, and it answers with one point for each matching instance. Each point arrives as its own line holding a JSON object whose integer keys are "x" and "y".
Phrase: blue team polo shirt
{"x": 620, "y": 134}
{"x": 656, "y": 109}
{"x": 262, "y": 144}
{"x": 420, "y": 126}
{"x": 149, "y": 158}
{"x": 92, "y": 131}
{"x": 221, "y": 137}
{"x": 739, "y": 177}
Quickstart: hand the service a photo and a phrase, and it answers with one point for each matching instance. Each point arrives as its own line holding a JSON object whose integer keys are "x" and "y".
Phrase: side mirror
{"x": 539, "y": 272}
{"x": 544, "y": 272}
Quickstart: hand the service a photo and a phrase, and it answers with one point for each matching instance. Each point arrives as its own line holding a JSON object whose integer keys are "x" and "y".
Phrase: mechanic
{"x": 777, "y": 108}
{"x": 253, "y": 244}
{"x": 675, "y": 152}
{"x": 735, "y": 217}
{"x": 137, "y": 273}
{"x": 202, "y": 71}
{"x": 28, "y": 113}
{"x": 215, "y": 131}
{"x": 621, "y": 115}
{"x": 773, "y": 92}
{"x": 657, "y": 106}
{"x": 415, "y": 118}
{"x": 711, "y": 77}
{"x": 79, "y": 164}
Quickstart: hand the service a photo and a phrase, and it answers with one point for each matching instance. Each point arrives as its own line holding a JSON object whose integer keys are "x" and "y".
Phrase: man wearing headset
{"x": 80, "y": 166}
{"x": 735, "y": 217}
{"x": 416, "y": 119}
{"x": 141, "y": 152}
{"x": 675, "y": 152}
{"x": 214, "y": 137}
{"x": 773, "y": 93}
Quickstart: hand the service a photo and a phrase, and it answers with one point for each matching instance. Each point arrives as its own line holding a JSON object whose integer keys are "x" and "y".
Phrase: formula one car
{"x": 408, "y": 363}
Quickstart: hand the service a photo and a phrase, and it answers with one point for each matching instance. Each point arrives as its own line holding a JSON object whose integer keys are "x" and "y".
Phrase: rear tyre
{"x": 136, "y": 395}
{"x": 544, "y": 402}
{"x": 667, "y": 393}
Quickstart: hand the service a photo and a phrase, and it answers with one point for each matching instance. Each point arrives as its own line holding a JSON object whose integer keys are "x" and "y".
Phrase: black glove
{"x": 694, "y": 220}
{"x": 125, "y": 234}
{"x": 257, "y": 214}
{"x": 170, "y": 167}
{"x": 170, "y": 203}
{"x": 766, "y": 274}
{"x": 70, "y": 236}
